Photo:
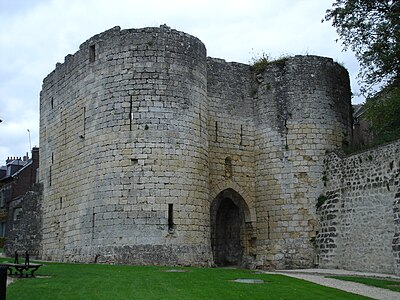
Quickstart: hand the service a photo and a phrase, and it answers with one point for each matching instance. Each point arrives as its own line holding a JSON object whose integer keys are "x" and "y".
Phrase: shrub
{"x": 259, "y": 64}
{"x": 320, "y": 201}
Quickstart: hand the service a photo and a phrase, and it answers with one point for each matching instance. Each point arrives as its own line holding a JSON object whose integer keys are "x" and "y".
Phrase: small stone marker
{"x": 247, "y": 280}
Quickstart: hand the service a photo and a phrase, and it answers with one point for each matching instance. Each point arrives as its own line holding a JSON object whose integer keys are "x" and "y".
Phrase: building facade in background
{"x": 20, "y": 223}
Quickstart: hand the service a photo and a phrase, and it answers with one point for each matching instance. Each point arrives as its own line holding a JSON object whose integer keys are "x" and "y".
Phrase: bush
{"x": 320, "y": 201}
{"x": 259, "y": 64}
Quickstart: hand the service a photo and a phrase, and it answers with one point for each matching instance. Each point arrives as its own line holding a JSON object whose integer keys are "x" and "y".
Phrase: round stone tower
{"x": 302, "y": 110}
{"x": 124, "y": 151}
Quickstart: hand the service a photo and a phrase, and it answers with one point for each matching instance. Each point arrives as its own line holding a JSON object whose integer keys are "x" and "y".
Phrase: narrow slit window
{"x": 93, "y": 222}
{"x": 52, "y": 102}
{"x": 50, "y": 176}
{"x": 200, "y": 122}
{"x": 82, "y": 136}
{"x": 228, "y": 167}
{"x": 241, "y": 134}
{"x": 61, "y": 202}
{"x": 216, "y": 131}
{"x": 92, "y": 53}
{"x": 170, "y": 218}
{"x": 84, "y": 120}
{"x": 130, "y": 114}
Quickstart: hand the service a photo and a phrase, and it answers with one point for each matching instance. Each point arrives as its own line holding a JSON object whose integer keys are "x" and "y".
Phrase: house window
{"x": 2, "y": 201}
{"x": 2, "y": 229}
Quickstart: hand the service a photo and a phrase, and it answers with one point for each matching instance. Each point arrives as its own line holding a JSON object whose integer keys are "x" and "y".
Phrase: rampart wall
{"x": 359, "y": 222}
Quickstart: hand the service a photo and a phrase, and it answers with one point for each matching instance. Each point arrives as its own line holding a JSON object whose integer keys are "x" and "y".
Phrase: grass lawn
{"x": 81, "y": 281}
{"x": 380, "y": 283}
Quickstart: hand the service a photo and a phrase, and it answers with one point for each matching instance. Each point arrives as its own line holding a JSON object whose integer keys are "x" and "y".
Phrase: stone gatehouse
{"x": 154, "y": 153}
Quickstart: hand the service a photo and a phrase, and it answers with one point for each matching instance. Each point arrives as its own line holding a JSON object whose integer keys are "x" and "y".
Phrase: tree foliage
{"x": 383, "y": 114}
{"x": 371, "y": 28}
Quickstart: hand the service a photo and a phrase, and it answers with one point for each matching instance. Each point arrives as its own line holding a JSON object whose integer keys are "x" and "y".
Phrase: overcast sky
{"x": 36, "y": 34}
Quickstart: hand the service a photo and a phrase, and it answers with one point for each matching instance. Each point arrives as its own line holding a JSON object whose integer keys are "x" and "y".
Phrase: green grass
{"x": 80, "y": 281}
{"x": 380, "y": 283}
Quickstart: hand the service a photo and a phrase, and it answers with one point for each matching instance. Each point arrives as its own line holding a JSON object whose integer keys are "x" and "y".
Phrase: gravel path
{"x": 317, "y": 276}
{"x": 10, "y": 280}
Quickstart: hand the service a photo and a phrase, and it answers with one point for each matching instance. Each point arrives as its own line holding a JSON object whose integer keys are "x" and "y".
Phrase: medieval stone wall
{"x": 360, "y": 218}
{"x": 148, "y": 146}
{"x": 231, "y": 128}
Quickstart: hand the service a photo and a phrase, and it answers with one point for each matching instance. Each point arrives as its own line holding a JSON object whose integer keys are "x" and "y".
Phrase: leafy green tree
{"x": 383, "y": 114}
{"x": 371, "y": 29}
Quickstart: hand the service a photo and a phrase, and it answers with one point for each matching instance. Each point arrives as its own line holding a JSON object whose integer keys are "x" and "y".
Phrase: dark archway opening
{"x": 231, "y": 229}
{"x": 228, "y": 248}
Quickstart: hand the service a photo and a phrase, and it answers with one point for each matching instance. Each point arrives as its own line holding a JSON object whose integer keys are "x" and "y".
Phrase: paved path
{"x": 10, "y": 280}
{"x": 318, "y": 276}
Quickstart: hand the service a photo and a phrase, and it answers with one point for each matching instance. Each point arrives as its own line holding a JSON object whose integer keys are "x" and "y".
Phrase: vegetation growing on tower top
{"x": 259, "y": 63}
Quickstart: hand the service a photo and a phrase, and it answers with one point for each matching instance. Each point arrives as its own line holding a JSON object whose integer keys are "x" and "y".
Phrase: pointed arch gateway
{"x": 232, "y": 237}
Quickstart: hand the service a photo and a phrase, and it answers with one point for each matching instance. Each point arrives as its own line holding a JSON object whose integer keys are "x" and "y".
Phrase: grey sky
{"x": 36, "y": 34}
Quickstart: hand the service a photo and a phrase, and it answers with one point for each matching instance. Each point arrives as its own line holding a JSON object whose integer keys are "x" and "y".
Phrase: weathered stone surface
{"x": 144, "y": 140}
{"x": 359, "y": 226}
{"x": 25, "y": 224}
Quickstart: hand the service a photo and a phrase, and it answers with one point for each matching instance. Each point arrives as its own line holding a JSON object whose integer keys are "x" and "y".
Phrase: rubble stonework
{"x": 152, "y": 153}
{"x": 25, "y": 223}
{"x": 360, "y": 219}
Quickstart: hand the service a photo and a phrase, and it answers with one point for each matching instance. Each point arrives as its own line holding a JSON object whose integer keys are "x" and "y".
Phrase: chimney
{"x": 26, "y": 157}
{"x": 35, "y": 163}
{"x": 35, "y": 154}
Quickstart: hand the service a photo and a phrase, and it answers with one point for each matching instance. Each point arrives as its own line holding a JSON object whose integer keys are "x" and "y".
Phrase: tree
{"x": 371, "y": 28}
{"x": 383, "y": 114}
